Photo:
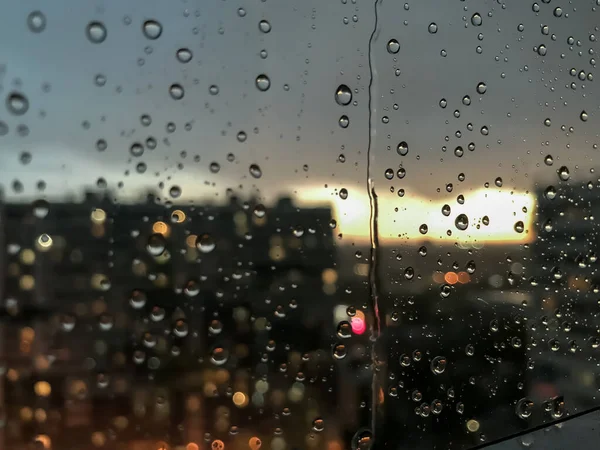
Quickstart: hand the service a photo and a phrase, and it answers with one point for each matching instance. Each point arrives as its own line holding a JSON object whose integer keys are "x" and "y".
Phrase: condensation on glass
{"x": 298, "y": 224}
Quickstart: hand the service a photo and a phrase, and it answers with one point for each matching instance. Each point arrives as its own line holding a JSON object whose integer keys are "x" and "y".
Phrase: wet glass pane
{"x": 298, "y": 224}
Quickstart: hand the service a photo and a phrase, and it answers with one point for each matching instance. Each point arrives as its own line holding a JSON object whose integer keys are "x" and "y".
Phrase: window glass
{"x": 297, "y": 224}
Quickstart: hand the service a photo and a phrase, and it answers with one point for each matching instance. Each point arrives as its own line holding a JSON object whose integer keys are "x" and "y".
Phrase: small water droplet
{"x": 519, "y": 226}
{"x": 432, "y": 28}
{"x": 344, "y": 121}
{"x": 343, "y": 193}
{"x": 481, "y": 88}
{"x": 524, "y": 408}
{"x": 476, "y": 19}
{"x": 583, "y": 116}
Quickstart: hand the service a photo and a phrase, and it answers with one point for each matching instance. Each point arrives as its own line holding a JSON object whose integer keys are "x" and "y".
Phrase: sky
{"x": 292, "y": 130}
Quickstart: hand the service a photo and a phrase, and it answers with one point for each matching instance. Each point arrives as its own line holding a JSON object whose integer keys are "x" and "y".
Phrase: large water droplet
{"x": 343, "y": 193}
{"x": 152, "y": 29}
{"x": 393, "y": 46}
{"x": 481, "y": 88}
{"x": 476, "y": 19}
{"x": 524, "y": 408}
{"x": 462, "y": 222}
{"x": 343, "y": 95}
{"x": 255, "y": 170}
{"x": 184, "y": 55}
{"x": 264, "y": 26}
{"x": 17, "y": 103}
{"x": 205, "y": 243}
{"x": 263, "y": 83}
{"x": 362, "y": 440}
{"x": 96, "y": 32}
{"x": 176, "y": 91}
{"x": 36, "y": 21}
{"x": 156, "y": 244}
{"x": 432, "y": 28}
{"x": 438, "y": 364}
{"x": 563, "y": 173}
{"x": 583, "y": 116}
{"x": 402, "y": 148}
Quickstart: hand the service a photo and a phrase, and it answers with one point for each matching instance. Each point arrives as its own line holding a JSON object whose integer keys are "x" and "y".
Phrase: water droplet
{"x": 260, "y": 211}
{"x": 519, "y": 226}
{"x": 242, "y": 136}
{"x": 446, "y": 210}
{"x": 389, "y": 174}
{"x": 583, "y": 116}
{"x": 213, "y": 89}
{"x": 340, "y": 351}
{"x": 263, "y": 83}
{"x": 362, "y": 440}
{"x": 550, "y": 193}
{"x": 393, "y": 46}
{"x": 215, "y": 167}
{"x": 466, "y": 100}
{"x": 548, "y": 160}
{"x": 255, "y": 171}
{"x": 96, "y": 32}
{"x": 36, "y": 21}
{"x": 264, "y": 26}
{"x": 462, "y": 222}
{"x": 318, "y": 425}
{"x": 17, "y": 103}
{"x": 343, "y": 95}
{"x": 205, "y": 243}
{"x": 498, "y": 182}
{"x": 476, "y": 19}
{"x": 138, "y": 299}
{"x": 402, "y": 148}
{"x": 432, "y": 28}
{"x": 547, "y": 122}
{"x": 136, "y": 149}
{"x": 344, "y": 121}
{"x": 344, "y": 329}
{"x": 152, "y": 29}
{"x": 458, "y": 151}
{"x": 481, "y": 88}
{"x": 176, "y": 91}
{"x": 175, "y": 191}
{"x": 184, "y": 55}
{"x": 219, "y": 356}
{"x": 343, "y": 193}
{"x": 542, "y": 50}
{"x": 156, "y": 244}
{"x": 524, "y": 408}
{"x": 423, "y": 228}
{"x": 438, "y": 364}
{"x": 443, "y": 103}
{"x": 558, "y": 12}
{"x": 563, "y": 173}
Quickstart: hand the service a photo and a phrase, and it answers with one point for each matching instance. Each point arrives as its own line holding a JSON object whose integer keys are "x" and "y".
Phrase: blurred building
{"x": 140, "y": 326}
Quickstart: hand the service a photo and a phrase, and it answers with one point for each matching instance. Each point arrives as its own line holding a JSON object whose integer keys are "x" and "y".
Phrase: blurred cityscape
{"x": 150, "y": 326}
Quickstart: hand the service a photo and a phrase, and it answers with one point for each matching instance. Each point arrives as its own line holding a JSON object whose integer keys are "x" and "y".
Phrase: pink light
{"x": 358, "y": 325}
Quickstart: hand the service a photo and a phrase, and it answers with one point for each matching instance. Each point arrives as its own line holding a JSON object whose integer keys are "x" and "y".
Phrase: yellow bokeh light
{"x": 161, "y": 228}
{"x": 240, "y": 399}
{"x": 42, "y": 389}
{"x": 98, "y": 216}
